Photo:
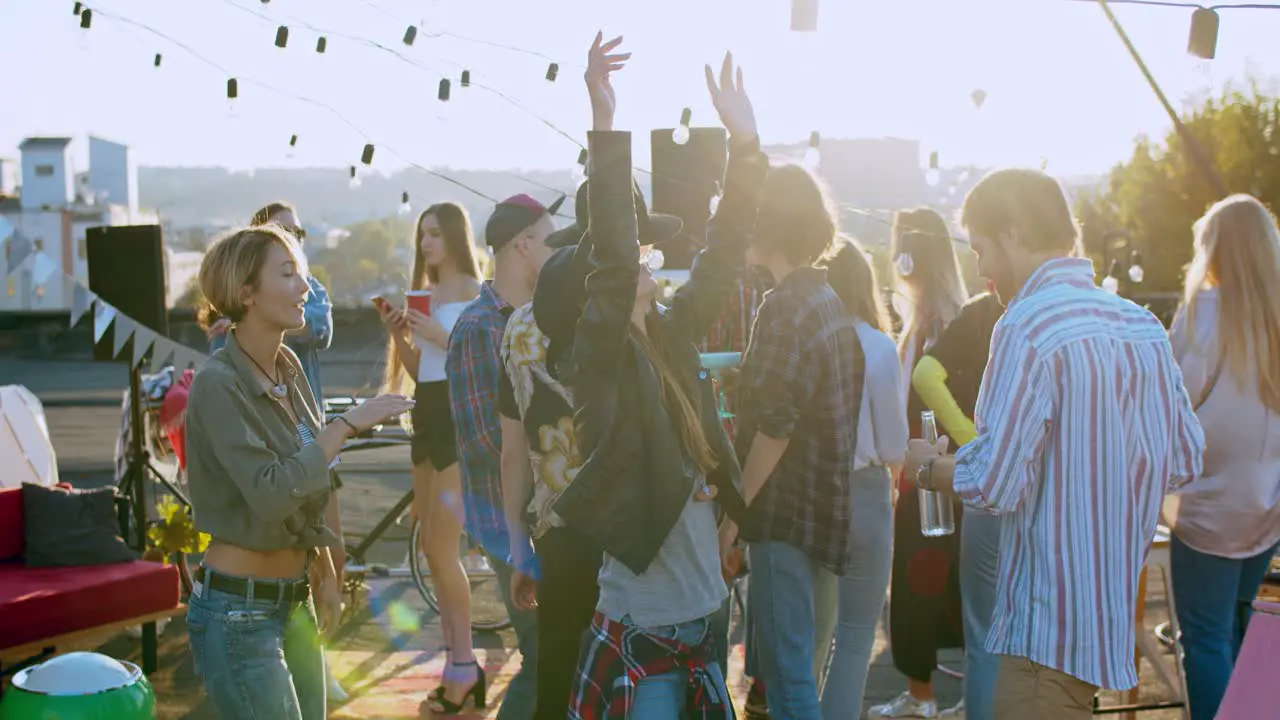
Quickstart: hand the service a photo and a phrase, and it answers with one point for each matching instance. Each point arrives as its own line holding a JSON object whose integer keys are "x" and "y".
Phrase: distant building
{"x": 53, "y": 206}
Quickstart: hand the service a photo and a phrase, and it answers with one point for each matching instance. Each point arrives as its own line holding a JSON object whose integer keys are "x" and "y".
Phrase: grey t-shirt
{"x": 682, "y": 584}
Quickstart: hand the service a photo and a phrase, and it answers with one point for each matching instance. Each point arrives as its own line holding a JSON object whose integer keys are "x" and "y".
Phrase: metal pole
{"x": 1194, "y": 149}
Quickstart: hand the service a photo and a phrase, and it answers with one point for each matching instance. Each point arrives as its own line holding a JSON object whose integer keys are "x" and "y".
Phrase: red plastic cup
{"x": 419, "y": 300}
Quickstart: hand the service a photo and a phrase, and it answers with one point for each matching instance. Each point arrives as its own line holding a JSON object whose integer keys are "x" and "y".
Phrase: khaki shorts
{"x": 1025, "y": 689}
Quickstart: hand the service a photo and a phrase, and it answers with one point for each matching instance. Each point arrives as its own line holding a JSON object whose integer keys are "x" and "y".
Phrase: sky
{"x": 1060, "y": 86}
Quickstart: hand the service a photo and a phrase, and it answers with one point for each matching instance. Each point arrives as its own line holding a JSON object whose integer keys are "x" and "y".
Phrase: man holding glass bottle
{"x": 1083, "y": 424}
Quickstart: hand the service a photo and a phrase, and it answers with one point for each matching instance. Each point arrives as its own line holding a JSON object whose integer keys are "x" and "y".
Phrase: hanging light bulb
{"x": 1136, "y": 273}
{"x": 932, "y": 176}
{"x": 76, "y": 8}
{"x": 321, "y": 44}
{"x": 1203, "y": 42}
{"x": 282, "y": 36}
{"x": 444, "y": 90}
{"x": 157, "y": 60}
{"x": 579, "y": 170}
{"x": 293, "y": 143}
{"x": 813, "y": 153}
{"x": 366, "y": 157}
{"x": 410, "y": 34}
{"x": 553, "y": 71}
{"x": 680, "y": 135}
{"x": 86, "y": 21}
{"x": 233, "y": 92}
{"x": 405, "y": 208}
{"x": 466, "y": 78}
{"x": 354, "y": 181}
{"x": 1111, "y": 283}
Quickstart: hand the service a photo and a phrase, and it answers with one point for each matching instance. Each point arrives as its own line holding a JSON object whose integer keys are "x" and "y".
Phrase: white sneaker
{"x": 905, "y": 706}
{"x": 956, "y": 712}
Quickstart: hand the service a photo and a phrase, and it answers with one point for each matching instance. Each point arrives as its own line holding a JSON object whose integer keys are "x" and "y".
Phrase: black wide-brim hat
{"x": 561, "y": 290}
{"x": 654, "y": 228}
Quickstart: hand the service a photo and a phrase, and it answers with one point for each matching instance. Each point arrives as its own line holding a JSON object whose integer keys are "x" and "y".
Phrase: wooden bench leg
{"x": 149, "y": 649}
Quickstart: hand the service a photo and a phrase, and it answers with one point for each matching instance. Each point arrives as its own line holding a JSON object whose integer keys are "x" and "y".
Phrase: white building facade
{"x": 53, "y": 208}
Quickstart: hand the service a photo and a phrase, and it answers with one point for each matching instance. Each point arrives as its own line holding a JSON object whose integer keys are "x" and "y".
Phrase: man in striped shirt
{"x": 1083, "y": 426}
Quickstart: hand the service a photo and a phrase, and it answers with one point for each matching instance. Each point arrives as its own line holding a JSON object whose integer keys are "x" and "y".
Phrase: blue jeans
{"x": 663, "y": 697}
{"x": 521, "y": 698}
{"x": 979, "y": 561}
{"x": 860, "y": 595}
{"x": 257, "y": 658}
{"x": 780, "y": 596}
{"x": 1214, "y": 598}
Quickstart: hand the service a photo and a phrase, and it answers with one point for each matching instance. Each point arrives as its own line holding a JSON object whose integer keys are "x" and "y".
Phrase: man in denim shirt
{"x": 317, "y": 335}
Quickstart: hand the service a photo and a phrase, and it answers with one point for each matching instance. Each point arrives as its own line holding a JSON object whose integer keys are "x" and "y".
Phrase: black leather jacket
{"x": 632, "y": 486}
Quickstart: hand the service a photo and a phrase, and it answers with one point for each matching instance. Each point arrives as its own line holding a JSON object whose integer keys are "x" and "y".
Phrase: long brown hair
{"x": 680, "y": 399}
{"x": 851, "y": 275}
{"x": 459, "y": 245}
{"x": 934, "y": 286}
{"x": 1238, "y": 251}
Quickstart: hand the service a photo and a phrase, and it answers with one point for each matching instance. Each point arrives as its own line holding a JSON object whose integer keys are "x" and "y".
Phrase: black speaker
{"x": 685, "y": 178}
{"x": 127, "y": 270}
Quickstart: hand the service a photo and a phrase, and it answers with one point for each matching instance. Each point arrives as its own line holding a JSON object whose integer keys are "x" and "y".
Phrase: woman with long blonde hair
{"x": 1226, "y": 525}
{"x": 924, "y": 602}
{"x": 444, "y": 261}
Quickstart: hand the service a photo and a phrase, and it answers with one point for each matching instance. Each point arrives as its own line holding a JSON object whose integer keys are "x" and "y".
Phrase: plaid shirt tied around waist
{"x": 616, "y": 657}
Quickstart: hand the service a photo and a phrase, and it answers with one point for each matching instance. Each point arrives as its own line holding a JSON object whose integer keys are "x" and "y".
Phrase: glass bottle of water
{"x": 937, "y": 517}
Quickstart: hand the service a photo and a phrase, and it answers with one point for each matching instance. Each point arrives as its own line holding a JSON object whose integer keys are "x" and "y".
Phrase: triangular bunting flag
{"x": 103, "y": 314}
{"x": 81, "y": 301}
{"x": 164, "y": 350}
{"x": 143, "y": 338}
{"x": 124, "y": 330}
{"x": 19, "y": 250}
{"x": 42, "y": 268}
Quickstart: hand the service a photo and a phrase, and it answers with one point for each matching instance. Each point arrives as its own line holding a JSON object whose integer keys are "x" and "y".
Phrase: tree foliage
{"x": 1156, "y": 196}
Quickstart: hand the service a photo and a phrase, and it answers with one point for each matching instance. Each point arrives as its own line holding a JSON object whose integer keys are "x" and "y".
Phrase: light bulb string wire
{"x": 369, "y": 42}
{"x": 863, "y": 212}
{"x": 320, "y": 105}
{"x": 112, "y": 15}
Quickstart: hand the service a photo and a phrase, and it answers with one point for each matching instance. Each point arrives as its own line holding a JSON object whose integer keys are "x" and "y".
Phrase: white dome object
{"x": 77, "y": 673}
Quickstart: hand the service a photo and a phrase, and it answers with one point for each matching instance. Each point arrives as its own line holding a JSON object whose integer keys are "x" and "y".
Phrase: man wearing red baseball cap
{"x": 516, "y": 233}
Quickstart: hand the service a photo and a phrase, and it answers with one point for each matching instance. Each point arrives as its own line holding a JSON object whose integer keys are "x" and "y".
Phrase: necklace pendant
{"x": 280, "y": 392}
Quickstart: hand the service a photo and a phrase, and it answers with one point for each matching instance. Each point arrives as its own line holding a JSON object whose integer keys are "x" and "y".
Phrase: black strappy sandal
{"x": 477, "y": 694}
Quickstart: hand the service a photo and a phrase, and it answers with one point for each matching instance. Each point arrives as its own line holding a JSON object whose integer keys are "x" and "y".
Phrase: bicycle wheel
{"x": 488, "y": 611}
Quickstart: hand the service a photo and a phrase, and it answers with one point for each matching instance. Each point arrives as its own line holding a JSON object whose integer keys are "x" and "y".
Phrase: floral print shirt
{"x": 545, "y": 409}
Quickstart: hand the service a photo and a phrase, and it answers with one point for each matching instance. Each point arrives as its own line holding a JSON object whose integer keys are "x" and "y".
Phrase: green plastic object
{"x": 720, "y": 360}
{"x": 79, "y": 686}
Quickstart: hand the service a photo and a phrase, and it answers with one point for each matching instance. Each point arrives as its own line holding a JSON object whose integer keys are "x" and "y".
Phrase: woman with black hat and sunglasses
{"x": 646, "y": 421}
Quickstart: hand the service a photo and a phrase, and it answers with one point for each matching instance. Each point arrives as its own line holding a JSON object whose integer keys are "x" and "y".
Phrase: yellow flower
{"x": 560, "y": 463}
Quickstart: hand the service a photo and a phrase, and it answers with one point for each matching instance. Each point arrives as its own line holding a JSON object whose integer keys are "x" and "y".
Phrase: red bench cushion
{"x": 40, "y": 603}
{"x": 11, "y": 525}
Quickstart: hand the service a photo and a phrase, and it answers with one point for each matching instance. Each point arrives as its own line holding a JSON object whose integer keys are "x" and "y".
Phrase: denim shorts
{"x": 257, "y": 658}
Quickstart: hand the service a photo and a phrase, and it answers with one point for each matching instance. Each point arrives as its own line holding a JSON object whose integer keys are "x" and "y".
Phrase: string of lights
{"x": 410, "y": 36}
{"x": 233, "y": 92}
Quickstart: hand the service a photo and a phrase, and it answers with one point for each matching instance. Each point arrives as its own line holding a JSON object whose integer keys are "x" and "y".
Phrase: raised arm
{"x": 601, "y": 332}
{"x": 718, "y": 268}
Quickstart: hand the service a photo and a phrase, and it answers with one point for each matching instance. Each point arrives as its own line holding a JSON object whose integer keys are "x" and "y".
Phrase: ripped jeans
{"x": 257, "y": 658}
